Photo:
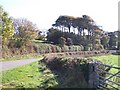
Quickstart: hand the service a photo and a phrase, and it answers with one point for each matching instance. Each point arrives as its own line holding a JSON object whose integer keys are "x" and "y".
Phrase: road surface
{"x": 13, "y": 64}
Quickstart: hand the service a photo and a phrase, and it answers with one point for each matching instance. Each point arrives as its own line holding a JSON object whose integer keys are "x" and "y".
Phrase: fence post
{"x": 93, "y": 76}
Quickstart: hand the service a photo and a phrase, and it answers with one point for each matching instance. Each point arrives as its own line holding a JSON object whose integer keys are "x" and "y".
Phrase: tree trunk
{"x": 69, "y": 29}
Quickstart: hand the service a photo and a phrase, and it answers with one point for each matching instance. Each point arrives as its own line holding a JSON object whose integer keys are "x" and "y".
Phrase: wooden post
{"x": 93, "y": 76}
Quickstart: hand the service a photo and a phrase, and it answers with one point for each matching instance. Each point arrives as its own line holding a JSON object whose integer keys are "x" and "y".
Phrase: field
{"x": 109, "y": 59}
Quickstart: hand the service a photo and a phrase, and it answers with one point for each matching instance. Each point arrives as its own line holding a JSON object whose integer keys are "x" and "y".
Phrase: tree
{"x": 113, "y": 40}
{"x": 96, "y": 39}
{"x": 1, "y": 13}
{"x": 64, "y": 21}
{"x": 69, "y": 41}
{"x": 7, "y": 30}
{"x": 40, "y": 36}
{"x": 62, "y": 41}
{"x": 54, "y": 35}
{"x": 83, "y": 23}
{"x": 105, "y": 41}
{"x": 77, "y": 23}
{"x": 25, "y": 31}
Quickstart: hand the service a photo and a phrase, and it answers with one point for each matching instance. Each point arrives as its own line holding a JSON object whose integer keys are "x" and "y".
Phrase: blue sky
{"x": 45, "y": 12}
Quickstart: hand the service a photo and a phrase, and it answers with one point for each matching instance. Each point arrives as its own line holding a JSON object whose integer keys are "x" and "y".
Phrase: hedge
{"x": 39, "y": 48}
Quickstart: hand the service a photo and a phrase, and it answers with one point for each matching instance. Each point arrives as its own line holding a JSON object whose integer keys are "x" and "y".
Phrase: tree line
{"x": 72, "y": 29}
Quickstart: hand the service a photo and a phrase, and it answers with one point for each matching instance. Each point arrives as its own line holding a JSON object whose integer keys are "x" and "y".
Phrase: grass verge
{"x": 33, "y": 75}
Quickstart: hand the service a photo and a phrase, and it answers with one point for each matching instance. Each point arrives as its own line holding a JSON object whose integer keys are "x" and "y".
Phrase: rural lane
{"x": 13, "y": 64}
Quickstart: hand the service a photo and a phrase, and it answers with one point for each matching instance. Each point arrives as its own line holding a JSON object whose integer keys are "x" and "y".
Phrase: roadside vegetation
{"x": 33, "y": 75}
{"x": 22, "y": 57}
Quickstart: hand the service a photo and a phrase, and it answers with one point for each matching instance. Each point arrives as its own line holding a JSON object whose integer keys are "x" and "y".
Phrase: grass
{"x": 38, "y": 41}
{"x": 21, "y": 57}
{"x": 109, "y": 59}
{"x": 33, "y": 75}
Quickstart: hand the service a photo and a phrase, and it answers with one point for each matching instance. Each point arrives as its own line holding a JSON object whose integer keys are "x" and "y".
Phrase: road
{"x": 13, "y": 64}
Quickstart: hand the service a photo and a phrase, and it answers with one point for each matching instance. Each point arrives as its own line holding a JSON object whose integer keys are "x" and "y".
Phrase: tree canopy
{"x": 7, "y": 29}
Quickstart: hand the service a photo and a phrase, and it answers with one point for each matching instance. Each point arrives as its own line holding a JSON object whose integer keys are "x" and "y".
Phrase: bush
{"x": 71, "y": 48}
{"x": 69, "y": 41}
{"x": 98, "y": 47}
{"x": 53, "y": 47}
{"x": 39, "y": 48}
{"x": 58, "y": 49}
{"x": 66, "y": 48}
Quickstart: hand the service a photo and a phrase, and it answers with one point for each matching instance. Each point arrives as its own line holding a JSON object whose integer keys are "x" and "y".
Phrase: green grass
{"x": 38, "y": 41}
{"x": 33, "y": 75}
{"x": 21, "y": 57}
{"x": 108, "y": 59}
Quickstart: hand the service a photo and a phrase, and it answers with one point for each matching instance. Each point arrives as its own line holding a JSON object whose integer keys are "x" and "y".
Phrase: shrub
{"x": 98, "y": 47}
{"x": 69, "y": 42}
{"x": 49, "y": 49}
{"x": 81, "y": 47}
{"x": 53, "y": 47}
{"x": 65, "y": 48}
{"x": 71, "y": 48}
{"x": 58, "y": 49}
{"x": 62, "y": 41}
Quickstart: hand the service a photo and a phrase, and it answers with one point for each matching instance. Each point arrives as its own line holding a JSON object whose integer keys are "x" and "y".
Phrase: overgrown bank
{"x": 37, "y": 49}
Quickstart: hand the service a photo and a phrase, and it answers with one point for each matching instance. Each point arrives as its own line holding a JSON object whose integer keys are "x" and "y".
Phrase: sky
{"x": 45, "y": 12}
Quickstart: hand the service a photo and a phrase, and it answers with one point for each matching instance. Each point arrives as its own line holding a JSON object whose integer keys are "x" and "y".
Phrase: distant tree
{"x": 96, "y": 40}
{"x": 105, "y": 41}
{"x": 113, "y": 40}
{"x": 69, "y": 42}
{"x": 91, "y": 39}
{"x": 64, "y": 21}
{"x": 77, "y": 23}
{"x": 54, "y": 35}
{"x": 25, "y": 31}
{"x": 40, "y": 37}
{"x": 1, "y": 14}
{"x": 62, "y": 41}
